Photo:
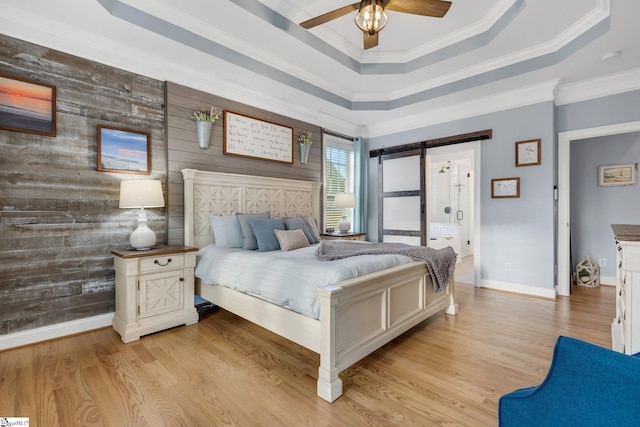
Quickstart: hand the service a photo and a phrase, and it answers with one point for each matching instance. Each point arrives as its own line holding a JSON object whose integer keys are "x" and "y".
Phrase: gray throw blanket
{"x": 440, "y": 262}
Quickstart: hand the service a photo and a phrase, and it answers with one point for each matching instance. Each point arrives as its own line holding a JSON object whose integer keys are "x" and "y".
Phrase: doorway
{"x": 452, "y": 205}
{"x": 564, "y": 194}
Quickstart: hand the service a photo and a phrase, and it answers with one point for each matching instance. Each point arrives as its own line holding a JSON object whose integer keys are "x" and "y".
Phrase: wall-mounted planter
{"x": 203, "y": 127}
{"x": 304, "y": 153}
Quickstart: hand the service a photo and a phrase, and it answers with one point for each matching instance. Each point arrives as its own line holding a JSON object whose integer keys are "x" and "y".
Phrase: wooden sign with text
{"x": 246, "y": 136}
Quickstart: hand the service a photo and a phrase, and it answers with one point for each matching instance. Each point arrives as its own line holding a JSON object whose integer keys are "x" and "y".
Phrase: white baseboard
{"x": 32, "y": 336}
{"x": 519, "y": 289}
{"x": 608, "y": 280}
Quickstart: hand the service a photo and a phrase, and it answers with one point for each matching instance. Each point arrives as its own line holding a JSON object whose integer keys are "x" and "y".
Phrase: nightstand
{"x": 342, "y": 236}
{"x": 154, "y": 290}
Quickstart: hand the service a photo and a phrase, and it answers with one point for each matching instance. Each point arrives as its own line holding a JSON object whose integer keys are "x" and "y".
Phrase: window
{"x": 338, "y": 178}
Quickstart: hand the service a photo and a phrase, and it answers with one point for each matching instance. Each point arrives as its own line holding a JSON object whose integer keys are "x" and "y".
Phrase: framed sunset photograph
{"x": 27, "y": 106}
{"x": 123, "y": 150}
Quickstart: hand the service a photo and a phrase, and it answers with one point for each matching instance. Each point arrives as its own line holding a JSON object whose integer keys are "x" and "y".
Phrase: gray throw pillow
{"x": 311, "y": 225}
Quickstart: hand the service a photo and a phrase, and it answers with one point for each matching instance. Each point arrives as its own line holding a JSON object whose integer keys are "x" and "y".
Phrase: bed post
{"x": 329, "y": 383}
{"x": 453, "y": 305}
{"x": 188, "y": 176}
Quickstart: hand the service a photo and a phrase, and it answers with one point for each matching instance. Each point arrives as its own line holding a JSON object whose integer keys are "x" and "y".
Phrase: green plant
{"x": 305, "y": 137}
{"x": 210, "y": 115}
{"x": 583, "y": 273}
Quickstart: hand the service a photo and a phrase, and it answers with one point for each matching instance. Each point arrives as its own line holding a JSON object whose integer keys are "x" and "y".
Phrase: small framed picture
{"x": 618, "y": 174}
{"x": 503, "y": 188}
{"x": 123, "y": 150}
{"x": 27, "y": 106}
{"x": 528, "y": 152}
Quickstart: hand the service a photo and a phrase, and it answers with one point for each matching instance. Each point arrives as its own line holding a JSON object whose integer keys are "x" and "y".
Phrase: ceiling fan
{"x": 372, "y": 16}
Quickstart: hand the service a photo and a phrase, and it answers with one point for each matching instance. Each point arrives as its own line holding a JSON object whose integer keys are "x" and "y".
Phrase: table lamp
{"x": 345, "y": 201}
{"x": 141, "y": 193}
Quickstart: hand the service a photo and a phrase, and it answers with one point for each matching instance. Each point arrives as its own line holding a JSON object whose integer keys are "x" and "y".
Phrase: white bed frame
{"x": 357, "y": 316}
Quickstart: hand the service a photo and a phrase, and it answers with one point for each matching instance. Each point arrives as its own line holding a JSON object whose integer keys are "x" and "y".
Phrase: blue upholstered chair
{"x": 586, "y": 385}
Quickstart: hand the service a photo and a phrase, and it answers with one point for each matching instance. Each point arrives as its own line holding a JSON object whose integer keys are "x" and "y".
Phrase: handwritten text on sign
{"x": 249, "y": 137}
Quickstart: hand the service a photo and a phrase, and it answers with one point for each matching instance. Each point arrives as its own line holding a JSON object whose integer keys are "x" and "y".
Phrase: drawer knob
{"x": 162, "y": 265}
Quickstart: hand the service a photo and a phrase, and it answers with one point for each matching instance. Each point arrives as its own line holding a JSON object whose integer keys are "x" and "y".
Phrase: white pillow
{"x": 226, "y": 231}
{"x": 291, "y": 239}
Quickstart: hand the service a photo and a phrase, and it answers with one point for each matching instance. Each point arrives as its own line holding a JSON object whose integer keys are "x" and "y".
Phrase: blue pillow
{"x": 226, "y": 231}
{"x": 297, "y": 223}
{"x": 248, "y": 238}
{"x": 265, "y": 236}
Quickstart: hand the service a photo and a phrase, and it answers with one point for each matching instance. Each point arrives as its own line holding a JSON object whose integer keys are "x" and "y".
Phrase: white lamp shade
{"x": 141, "y": 193}
{"x": 345, "y": 200}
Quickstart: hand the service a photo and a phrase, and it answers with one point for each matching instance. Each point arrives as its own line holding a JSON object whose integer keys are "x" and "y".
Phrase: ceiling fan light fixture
{"x": 371, "y": 16}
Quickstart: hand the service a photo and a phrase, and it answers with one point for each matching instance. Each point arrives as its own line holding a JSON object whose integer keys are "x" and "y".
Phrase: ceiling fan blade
{"x": 329, "y": 16}
{"x": 370, "y": 40}
{"x": 435, "y": 8}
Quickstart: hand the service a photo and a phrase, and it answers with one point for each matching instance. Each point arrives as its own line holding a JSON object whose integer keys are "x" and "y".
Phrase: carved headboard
{"x": 218, "y": 193}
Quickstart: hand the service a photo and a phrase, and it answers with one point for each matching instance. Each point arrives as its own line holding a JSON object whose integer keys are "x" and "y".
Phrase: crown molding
{"x": 480, "y": 28}
{"x": 529, "y": 95}
{"x": 612, "y": 84}
{"x": 537, "y": 57}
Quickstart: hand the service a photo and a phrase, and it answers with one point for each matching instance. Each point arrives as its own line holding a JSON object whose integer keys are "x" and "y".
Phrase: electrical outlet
{"x": 507, "y": 266}
{"x": 602, "y": 262}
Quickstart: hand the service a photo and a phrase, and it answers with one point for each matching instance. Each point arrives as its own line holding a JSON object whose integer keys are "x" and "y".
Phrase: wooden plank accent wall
{"x": 59, "y": 216}
{"x": 183, "y": 150}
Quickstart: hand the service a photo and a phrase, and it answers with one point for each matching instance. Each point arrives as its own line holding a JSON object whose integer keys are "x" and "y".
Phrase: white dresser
{"x": 625, "y": 328}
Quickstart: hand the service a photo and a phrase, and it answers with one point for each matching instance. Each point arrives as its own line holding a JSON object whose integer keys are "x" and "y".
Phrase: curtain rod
{"x": 337, "y": 135}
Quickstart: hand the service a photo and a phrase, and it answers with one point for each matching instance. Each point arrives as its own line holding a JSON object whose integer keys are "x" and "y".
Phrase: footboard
{"x": 360, "y": 315}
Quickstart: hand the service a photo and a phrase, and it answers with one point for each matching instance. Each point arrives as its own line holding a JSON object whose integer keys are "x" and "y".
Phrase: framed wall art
{"x": 618, "y": 174}
{"x": 246, "y": 136}
{"x": 123, "y": 150}
{"x": 27, "y": 106}
{"x": 528, "y": 152}
{"x": 503, "y": 188}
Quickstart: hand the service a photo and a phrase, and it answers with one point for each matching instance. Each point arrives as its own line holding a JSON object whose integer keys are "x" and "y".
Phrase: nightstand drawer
{"x": 162, "y": 262}
{"x": 342, "y": 236}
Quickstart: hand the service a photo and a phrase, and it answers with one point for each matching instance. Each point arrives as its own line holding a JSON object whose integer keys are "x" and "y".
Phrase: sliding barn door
{"x": 401, "y": 202}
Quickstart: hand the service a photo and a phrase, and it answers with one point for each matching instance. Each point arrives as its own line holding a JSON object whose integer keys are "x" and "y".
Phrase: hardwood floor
{"x": 449, "y": 370}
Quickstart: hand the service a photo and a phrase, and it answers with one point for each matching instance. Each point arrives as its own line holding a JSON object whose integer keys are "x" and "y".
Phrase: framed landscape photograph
{"x": 618, "y": 174}
{"x": 503, "y": 188}
{"x": 123, "y": 150}
{"x": 528, "y": 153}
{"x": 27, "y": 106}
